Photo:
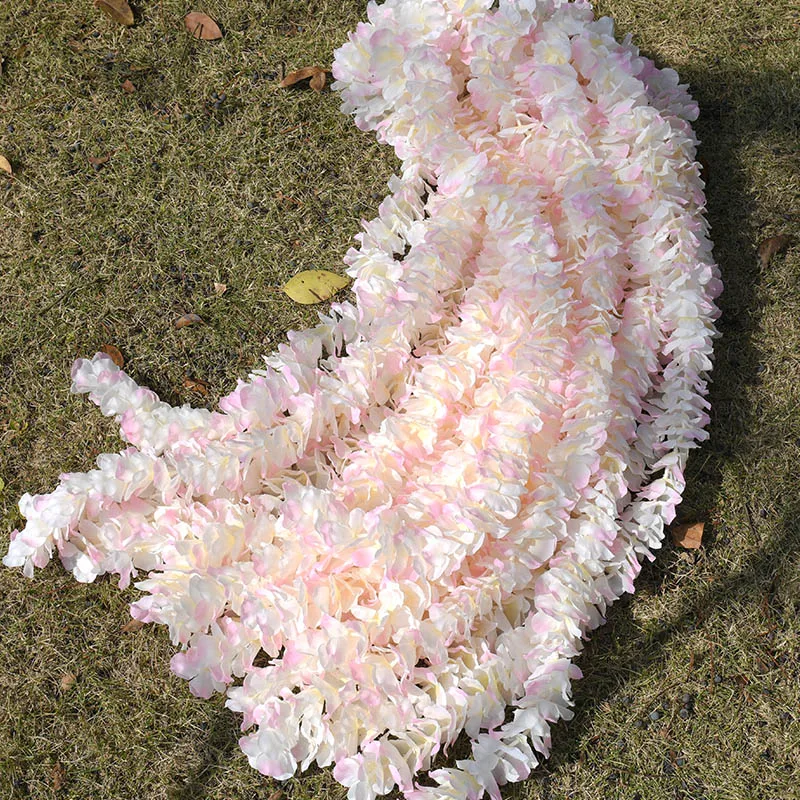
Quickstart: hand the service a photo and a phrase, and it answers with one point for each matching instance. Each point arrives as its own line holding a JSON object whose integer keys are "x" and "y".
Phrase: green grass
{"x": 114, "y": 256}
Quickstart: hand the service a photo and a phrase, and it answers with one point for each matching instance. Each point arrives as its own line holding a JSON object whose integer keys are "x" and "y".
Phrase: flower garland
{"x": 419, "y": 507}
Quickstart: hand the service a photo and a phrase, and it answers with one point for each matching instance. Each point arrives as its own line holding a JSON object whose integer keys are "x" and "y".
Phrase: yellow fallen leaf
{"x": 118, "y": 10}
{"x": 314, "y": 286}
{"x": 5, "y": 165}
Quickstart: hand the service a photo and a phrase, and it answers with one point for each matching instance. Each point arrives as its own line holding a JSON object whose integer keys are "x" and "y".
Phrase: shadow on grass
{"x": 220, "y": 746}
{"x": 736, "y": 109}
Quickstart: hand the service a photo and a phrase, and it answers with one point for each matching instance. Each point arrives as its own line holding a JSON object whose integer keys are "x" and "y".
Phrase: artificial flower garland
{"x": 419, "y": 507}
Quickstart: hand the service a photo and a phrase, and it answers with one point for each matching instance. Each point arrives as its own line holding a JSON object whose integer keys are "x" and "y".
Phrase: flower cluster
{"x": 417, "y": 509}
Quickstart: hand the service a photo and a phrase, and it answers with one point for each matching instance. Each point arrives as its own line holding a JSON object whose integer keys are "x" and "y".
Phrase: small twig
{"x": 712, "y": 665}
{"x": 64, "y": 295}
{"x": 751, "y": 519}
{"x": 11, "y": 110}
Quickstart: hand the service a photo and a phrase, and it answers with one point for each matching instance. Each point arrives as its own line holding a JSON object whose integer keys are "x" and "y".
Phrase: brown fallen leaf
{"x": 67, "y": 681}
{"x": 114, "y": 354}
{"x": 188, "y": 319}
{"x": 118, "y": 10}
{"x": 689, "y": 535}
{"x": 771, "y": 247}
{"x": 99, "y": 161}
{"x": 5, "y": 165}
{"x": 201, "y": 26}
{"x": 132, "y": 626}
{"x": 76, "y": 46}
{"x": 58, "y": 775}
{"x": 220, "y": 289}
{"x": 277, "y": 795}
{"x": 298, "y": 75}
{"x": 284, "y": 198}
{"x": 196, "y": 385}
{"x": 317, "y": 83}
{"x": 317, "y": 75}
{"x": 128, "y": 87}
{"x": 167, "y": 112}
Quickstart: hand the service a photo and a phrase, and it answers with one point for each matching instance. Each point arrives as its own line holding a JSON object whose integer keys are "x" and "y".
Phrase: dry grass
{"x": 114, "y": 256}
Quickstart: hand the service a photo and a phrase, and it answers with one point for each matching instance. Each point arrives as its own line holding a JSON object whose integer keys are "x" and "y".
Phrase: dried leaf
{"x": 301, "y": 75}
{"x": 98, "y": 161}
{"x": 689, "y": 535}
{"x": 771, "y": 247}
{"x": 118, "y": 10}
{"x": 201, "y": 26}
{"x": 5, "y": 165}
{"x": 277, "y": 795}
{"x": 284, "y": 198}
{"x": 298, "y": 75}
{"x": 220, "y": 289}
{"x": 128, "y": 87}
{"x": 317, "y": 83}
{"x": 114, "y": 354}
{"x": 75, "y": 45}
{"x": 314, "y": 286}
{"x": 188, "y": 319}
{"x": 132, "y": 626}
{"x": 58, "y": 776}
{"x": 67, "y": 681}
{"x": 167, "y": 112}
{"x": 196, "y": 385}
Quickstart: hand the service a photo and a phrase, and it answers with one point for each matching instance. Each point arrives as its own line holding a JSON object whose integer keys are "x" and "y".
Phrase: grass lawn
{"x": 250, "y": 190}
